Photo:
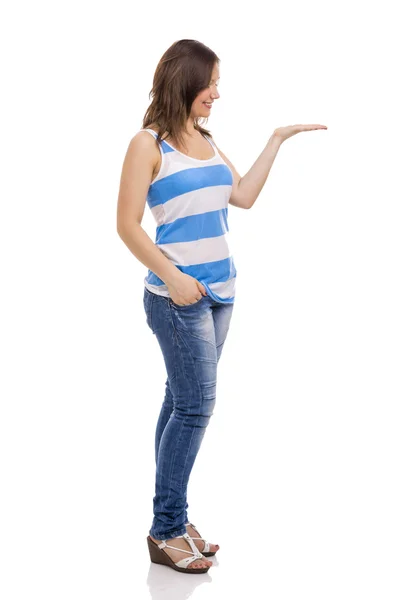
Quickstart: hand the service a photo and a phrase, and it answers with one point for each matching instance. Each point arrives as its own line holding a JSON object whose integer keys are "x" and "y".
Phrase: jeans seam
{"x": 173, "y": 463}
{"x": 184, "y": 420}
{"x": 201, "y": 402}
{"x": 176, "y": 379}
{"x": 152, "y": 298}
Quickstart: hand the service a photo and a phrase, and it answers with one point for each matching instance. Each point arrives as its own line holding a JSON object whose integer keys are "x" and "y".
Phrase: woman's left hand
{"x": 283, "y": 133}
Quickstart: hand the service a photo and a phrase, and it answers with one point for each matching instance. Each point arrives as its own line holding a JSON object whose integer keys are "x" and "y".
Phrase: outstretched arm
{"x": 246, "y": 189}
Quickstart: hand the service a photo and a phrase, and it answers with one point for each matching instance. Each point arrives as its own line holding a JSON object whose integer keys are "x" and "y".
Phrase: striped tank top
{"x": 189, "y": 201}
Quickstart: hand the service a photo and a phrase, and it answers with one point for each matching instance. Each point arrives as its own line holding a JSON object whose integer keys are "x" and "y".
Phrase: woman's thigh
{"x": 191, "y": 339}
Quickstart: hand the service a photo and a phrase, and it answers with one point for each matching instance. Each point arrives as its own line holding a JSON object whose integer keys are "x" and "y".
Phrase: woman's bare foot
{"x": 177, "y": 555}
{"x": 199, "y": 543}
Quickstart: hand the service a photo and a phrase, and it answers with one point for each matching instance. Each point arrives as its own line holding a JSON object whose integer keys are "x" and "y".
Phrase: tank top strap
{"x": 208, "y": 137}
{"x": 153, "y": 133}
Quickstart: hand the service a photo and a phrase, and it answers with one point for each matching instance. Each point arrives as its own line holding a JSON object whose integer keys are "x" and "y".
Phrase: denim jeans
{"x": 191, "y": 339}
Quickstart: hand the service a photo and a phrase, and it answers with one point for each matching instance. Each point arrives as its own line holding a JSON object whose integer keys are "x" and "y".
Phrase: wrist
{"x": 277, "y": 137}
{"x": 172, "y": 276}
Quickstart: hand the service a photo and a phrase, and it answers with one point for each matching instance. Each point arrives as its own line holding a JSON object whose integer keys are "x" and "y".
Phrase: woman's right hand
{"x": 186, "y": 290}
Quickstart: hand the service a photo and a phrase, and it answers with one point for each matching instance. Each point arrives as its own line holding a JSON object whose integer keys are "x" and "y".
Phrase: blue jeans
{"x": 191, "y": 339}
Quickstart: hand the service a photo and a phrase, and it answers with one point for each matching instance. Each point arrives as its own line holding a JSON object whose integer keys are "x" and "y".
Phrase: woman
{"x": 189, "y": 291}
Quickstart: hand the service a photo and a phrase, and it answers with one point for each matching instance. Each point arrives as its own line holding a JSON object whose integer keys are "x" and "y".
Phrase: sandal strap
{"x": 185, "y": 562}
{"x": 206, "y": 544}
{"x": 196, "y": 552}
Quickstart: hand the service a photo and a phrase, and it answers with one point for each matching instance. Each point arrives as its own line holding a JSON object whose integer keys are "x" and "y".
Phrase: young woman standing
{"x": 174, "y": 165}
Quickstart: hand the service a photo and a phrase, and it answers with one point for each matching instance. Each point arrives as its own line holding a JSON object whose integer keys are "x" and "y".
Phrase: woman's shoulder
{"x": 154, "y": 127}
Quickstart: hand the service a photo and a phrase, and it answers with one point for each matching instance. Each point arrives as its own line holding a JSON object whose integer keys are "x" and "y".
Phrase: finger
{"x": 203, "y": 289}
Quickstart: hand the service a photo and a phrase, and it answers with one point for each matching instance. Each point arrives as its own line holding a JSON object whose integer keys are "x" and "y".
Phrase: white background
{"x": 297, "y": 478}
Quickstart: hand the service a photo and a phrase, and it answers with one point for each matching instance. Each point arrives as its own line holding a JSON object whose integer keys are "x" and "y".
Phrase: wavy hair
{"x": 183, "y": 71}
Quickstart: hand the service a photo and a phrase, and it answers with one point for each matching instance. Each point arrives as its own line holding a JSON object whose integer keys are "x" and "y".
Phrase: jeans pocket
{"x": 184, "y": 306}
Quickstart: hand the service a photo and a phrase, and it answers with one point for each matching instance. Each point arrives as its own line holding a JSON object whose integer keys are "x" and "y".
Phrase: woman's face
{"x": 209, "y": 94}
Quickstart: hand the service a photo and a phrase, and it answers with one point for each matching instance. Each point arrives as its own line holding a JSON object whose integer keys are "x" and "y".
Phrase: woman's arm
{"x": 246, "y": 189}
{"x": 137, "y": 174}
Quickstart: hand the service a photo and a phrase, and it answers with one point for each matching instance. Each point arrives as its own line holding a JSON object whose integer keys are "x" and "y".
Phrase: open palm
{"x": 286, "y": 132}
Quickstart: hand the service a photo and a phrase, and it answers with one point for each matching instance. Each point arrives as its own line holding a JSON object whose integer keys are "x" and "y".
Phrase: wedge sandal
{"x": 159, "y": 556}
{"x": 206, "y": 550}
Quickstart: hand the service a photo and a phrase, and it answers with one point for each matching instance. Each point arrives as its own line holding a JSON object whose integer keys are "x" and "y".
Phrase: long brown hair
{"x": 183, "y": 71}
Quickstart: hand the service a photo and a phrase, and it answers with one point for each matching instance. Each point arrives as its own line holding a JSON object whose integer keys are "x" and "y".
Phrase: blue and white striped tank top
{"x": 189, "y": 201}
